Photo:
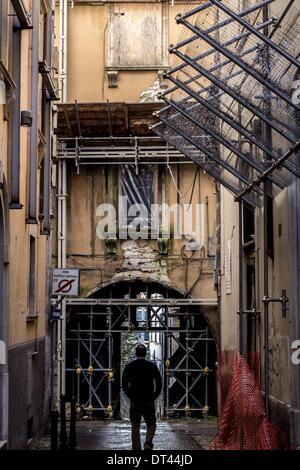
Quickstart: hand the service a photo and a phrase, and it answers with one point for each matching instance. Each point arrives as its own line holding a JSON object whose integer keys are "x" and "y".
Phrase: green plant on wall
{"x": 129, "y": 342}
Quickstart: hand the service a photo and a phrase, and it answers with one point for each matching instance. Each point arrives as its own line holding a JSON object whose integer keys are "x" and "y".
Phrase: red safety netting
{"x": 243, "y": 424}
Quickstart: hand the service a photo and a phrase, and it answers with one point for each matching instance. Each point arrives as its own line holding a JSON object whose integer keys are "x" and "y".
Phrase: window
{"x": 248, "y": 226}
{"x": 137, "y": 36}
{"x": 137, "y": 196}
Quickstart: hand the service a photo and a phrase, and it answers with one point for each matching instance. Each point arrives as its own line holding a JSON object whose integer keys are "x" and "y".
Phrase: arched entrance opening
{"x": 3, "y": 319}
{"x": 101, "y": 336}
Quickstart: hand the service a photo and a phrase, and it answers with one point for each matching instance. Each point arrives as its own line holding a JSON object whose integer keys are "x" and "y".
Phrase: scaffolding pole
{"x": 61, "y": 263}
{"x": 63, "y": 49}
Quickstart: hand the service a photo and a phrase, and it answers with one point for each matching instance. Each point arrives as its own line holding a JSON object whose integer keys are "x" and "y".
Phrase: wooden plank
{"x": 69, "y": 127}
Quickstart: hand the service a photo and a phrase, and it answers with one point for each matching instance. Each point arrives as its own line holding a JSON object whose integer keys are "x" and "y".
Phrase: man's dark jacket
{"x": 141, "y": 381}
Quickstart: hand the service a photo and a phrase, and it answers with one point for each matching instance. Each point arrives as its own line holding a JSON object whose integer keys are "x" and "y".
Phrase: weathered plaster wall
{"x": 142, "y": 258}
{"x": 94, "y": 46}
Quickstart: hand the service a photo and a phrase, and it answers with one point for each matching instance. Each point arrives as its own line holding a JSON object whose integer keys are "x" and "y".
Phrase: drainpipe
{"x": 32, "y": 214}
{"x": 62, "y": 195}
{"x": 63, "y": 49}
{"x": 207, "y": 227}
{"x": 47, "y": 121}
{"x": 62, "y": 214}
{"x": 64, "y": 264}
{"x": 16, "y": 120}
{"x": 242, "y": 329}
{"x": 61, "y": 263}
{"x": 266, "y": 303}
{"x": 241, "y": 282}
{"x": 58, "y": 352}
{"x": 267, "y": 188}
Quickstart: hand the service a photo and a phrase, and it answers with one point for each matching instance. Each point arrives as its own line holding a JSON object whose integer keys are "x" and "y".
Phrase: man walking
{"x": 142, "y": 384}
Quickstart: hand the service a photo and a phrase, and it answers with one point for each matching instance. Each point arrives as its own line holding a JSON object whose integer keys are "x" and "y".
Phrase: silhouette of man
{"x": 142, "y": 383}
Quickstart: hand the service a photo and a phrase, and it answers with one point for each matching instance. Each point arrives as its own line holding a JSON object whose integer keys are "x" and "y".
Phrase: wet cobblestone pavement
{"x": 170, "y": 435}
{"x": 185, "y": 434}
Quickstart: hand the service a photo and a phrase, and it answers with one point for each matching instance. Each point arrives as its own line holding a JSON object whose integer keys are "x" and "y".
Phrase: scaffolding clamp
{"x": 110, "y": 411}
{"x": 252, "y": 311}
{"x": 110, "y": 376}
{"x": 77, "y": 156}
{"x": 283, "y": 300}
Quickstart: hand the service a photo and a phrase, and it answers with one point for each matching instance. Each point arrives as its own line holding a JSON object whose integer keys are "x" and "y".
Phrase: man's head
{"x": 141, "y": 351}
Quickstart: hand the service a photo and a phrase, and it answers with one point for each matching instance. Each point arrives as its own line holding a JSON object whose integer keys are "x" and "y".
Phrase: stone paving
{"x": 178, "y": 434}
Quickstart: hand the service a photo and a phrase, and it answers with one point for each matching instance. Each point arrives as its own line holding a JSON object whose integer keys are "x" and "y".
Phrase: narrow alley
{"x": 149, "y": 225}
{"x": 111, "y": 435}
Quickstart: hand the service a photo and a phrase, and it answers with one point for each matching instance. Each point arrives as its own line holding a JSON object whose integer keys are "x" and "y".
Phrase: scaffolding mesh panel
{"x": 224, "y": 66}
{"x": 243, "y": 424}
{"x": 203, "y": 150}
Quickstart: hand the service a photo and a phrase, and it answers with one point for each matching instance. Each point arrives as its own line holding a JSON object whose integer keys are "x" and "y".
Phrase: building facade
{"x": 26, "y": 92}
{"x": 112, "y": 56}
{"x": 263, "y": 248}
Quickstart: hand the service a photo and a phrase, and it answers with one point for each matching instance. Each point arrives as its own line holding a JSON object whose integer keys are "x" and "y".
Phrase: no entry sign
{"x": 65, "y": 282}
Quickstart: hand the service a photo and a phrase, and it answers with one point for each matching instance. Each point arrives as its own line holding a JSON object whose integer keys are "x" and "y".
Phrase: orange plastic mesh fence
{"x": 243, "y": 424}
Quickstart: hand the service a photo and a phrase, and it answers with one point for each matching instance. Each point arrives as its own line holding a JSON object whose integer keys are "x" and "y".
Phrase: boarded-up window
{"x": 137, "y": 193}
{"x": 137, "y": 36}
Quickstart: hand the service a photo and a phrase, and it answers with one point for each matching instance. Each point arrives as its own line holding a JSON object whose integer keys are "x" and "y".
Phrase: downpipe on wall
{"x": 63, "y": 50}
{"x": 61, "y": 263}
{"x": 62, "y": 204}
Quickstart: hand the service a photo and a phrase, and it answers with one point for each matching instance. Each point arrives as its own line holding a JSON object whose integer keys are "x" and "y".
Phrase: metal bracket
{"x": 252, "y": 311}
{"x": 112, "y": 76}
{"x": 284, "y": 300}
{"x": 77, "y": 156}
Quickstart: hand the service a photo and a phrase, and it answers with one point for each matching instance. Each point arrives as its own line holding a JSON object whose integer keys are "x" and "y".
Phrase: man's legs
{"x": 135, "y": 418}
{"x": 150, "y": 420}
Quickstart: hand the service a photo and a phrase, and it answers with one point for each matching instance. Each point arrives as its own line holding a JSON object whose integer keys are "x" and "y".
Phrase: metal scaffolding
{"x": 220, "y": 87}
{"x": 121, "y": 151}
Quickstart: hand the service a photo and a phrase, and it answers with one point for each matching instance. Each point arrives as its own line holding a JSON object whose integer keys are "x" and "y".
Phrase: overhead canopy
{"x": 232, "y": 80}
{"x": 90, "y": 120}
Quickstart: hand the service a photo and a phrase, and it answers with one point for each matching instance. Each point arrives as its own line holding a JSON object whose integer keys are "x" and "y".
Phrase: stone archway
{"x": 96, "y": 331}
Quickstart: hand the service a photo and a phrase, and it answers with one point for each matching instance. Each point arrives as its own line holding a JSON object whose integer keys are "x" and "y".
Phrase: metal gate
{"x": 178, "y": 340}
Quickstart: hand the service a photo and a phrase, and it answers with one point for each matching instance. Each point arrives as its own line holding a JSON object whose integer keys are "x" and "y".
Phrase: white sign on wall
{"x": 2, "y": 92}
{"x": 66, "y": 282}
{"x": 228, "y": 283}
{"x": 2, "y": 353}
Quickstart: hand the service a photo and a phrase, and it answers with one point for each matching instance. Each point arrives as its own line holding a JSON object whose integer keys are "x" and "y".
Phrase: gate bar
{"x": 142, "y": 302}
